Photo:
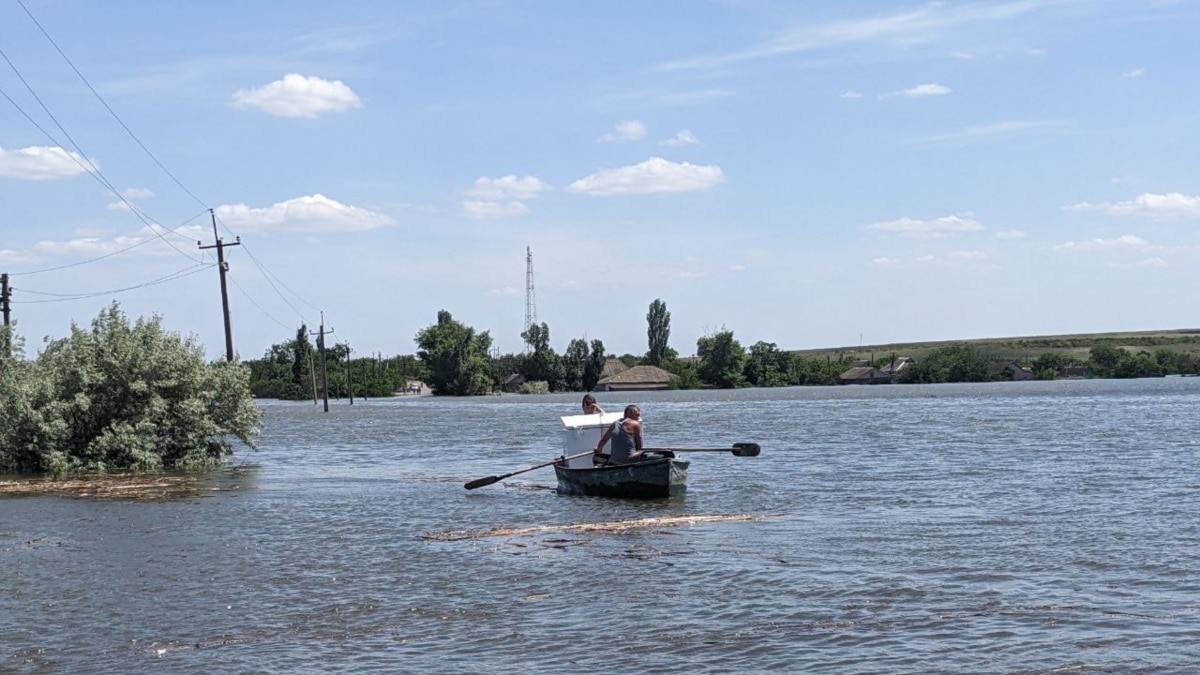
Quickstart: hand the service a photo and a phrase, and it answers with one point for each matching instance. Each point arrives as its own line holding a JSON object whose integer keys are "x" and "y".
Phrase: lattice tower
{"x": 530, "y": 296}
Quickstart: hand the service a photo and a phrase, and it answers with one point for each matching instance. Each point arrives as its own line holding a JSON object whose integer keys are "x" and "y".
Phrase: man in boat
{"x": 626, "y": 435}
{"x": 590, "y": 407}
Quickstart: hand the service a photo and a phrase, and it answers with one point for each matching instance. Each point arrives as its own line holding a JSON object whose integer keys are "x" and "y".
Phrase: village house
{"x": 637, "y": 378}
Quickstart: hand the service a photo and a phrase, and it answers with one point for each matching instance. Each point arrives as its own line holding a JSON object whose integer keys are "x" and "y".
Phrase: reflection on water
{"x": 1017, "y": 527}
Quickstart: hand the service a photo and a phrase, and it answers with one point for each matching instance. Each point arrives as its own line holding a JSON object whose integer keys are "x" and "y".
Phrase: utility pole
{"x": 4, "y": 295}
{"x": 349, "y": 381}
{"x": 223, "y": 267}
{"x": 321, "y": 348}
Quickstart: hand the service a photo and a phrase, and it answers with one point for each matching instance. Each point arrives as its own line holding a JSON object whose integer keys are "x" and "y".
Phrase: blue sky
{"x": 808, "y": 174}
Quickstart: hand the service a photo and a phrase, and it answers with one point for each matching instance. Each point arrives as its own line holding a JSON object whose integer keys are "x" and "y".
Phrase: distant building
{"x": 1011, "y": 370}
{"x": 864, "y": 375}
{"x": 612, "y": 366}
{"x": 512, "y": 383}
{"x": 637, "y": 378}
{"x": 898, "y": 364}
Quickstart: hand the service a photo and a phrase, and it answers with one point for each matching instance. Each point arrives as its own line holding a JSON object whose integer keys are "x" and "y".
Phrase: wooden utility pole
{"x": 4, "y": 295}
{"x": 223, "y": 267}
{"x": 349, "y": 380}
{"x": 321, "y": 348}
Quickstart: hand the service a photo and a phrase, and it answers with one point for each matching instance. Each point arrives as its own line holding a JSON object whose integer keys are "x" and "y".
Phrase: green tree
{"x": 575, "y": 361}
{"x": 455, "y": 356}
{"x": 1105, "y": 358}
{"x": 722, "y": 360}
{"x": 658, "y": 332}
{"x": 766, "y": 366}
{"x": 1047, "y": 365}
{"x": 542, "y": 364}
{"x": 595, "y": 366}
{"x": 121, "y": 397}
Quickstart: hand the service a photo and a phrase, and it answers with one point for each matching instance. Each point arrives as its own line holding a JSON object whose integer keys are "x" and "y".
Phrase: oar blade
{"x": 746, "y": 449}
{"x": 480, "y": 482}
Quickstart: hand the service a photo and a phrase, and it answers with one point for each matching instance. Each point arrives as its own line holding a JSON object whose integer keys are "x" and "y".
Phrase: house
{"x": 1011, "y": 370}
{"x": 512, "y": 383}
{"x": 612, "y": 366}
{"x": 637, "y": 378}
{"x": 897, "y": 365}
{"x": 864, "y": 375}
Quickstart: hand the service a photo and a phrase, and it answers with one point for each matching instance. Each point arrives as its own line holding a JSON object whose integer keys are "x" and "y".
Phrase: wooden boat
{"x": 657, "y": 476}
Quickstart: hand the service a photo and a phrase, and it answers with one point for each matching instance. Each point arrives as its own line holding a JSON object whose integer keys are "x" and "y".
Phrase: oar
{"x": 480, "y": 482}
{"x": 738, "y": 449}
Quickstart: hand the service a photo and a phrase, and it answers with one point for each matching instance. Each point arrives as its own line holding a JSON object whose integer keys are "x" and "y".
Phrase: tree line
{"x": 455, "y": 359}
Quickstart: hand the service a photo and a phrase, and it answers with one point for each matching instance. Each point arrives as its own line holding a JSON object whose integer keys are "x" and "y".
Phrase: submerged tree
{"x": 119, "y": 397}
{"x": 456, "y": 357}
{"x": 722, "y": 360}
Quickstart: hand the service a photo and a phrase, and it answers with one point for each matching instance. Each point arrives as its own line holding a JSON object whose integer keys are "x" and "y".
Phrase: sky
{"x": 809, "y": 174}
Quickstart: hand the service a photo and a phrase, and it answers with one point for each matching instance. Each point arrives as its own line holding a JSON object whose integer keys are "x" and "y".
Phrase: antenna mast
{"x": 530, "y": 298}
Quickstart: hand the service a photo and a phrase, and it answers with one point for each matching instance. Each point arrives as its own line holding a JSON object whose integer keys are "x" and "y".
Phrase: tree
{"x": 456, "y": 357}
{"x": 595, "y": 366}
{"x": 1105, "y": 358}
{"x": 121, "y": 397}
{"x": 658, "y": 333}
{"x": 575, "y": 361}
{"x": 766, "y": 366}
{"x": 722, "y": 360}
{"x": 542, "y": 364}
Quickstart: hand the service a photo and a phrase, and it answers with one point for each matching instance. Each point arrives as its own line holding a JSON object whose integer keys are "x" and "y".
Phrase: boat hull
{"x": 651, "y": 479}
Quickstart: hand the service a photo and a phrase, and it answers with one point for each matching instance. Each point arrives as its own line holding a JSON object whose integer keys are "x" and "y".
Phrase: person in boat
{"x": 590, "y": 407}
{"x": 626, "y": 435}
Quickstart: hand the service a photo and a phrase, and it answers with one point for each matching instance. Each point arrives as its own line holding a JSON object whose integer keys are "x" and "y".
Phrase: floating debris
{"x": 107, "y": 486}
{"x": 609, "y": 526}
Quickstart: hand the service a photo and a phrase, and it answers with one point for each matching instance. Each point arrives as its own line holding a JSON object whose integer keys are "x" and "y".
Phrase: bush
{"x": 122, "y": 397}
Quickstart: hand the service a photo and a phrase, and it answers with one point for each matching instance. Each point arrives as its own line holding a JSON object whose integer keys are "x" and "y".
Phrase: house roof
{"x": 612, "y": 366}
{"x": 862, "y": 373}
{"x": 639, "y": 375}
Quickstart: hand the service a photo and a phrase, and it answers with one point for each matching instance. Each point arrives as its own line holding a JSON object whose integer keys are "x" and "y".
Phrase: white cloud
{"x": 966, "y": 255}
{"x": 927, "y": 229}
{"x": 11, "y": 257}
{"x": 737, "y": 268}
{"x": 1010, "y": 234}
{"x": 1148, "y": 262}
{"x": 903, "y": 29}
{"x": 655, "y": 175}
{"x": 885, "y": 262}
{"x": 850, "y": 94}
{"x": 482, "y": 209}
{"x": 311, "y": 215}
{"x": 631, "y": 130}
{"x": 1125, "y": 241}
{"x": 919, "y": 91}
{"x": 1147, "y": 204}
{"x": 298, "y": 96}
{"x": 130, "y": 195}
{"x": 1136, "y": 72}
{"x": 1035, "y": 52}
{"x": 997, "y": 129}
{"x": 510, "y": 186}
{"x": 147, "y": 241}
{"x": 41, "y": 163}
{"x": 684, "y": 137}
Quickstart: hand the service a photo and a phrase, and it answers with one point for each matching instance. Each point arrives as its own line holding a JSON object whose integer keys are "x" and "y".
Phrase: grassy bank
{"x": 1024, "y": 349}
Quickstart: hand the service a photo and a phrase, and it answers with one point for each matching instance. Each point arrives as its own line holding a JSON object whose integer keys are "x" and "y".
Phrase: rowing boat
{"x": 657, "y": 476}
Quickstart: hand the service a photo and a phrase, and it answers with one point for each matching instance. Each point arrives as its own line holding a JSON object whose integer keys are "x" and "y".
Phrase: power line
{"x": 65, "y": 297}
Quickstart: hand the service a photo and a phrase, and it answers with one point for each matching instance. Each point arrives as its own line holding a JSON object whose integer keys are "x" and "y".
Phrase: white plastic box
{"x": 581, "y": 433}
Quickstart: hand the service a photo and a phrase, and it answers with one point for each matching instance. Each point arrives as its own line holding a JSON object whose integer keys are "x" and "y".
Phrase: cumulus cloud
{"x": 510, "y": 186}
{"x": 41, "y": 163}
{"x": 483, "y": 209}
{"x": 850, "y": 94}
{"x": 1171, "y": 204}
{"x": 655, "y": 175}
{"x": 966, "y": 255}
{"x": 997, "y": 129}
{"x": 313, "y": 214}
{"x": 298, "y": 96}
{"x": 147, "y": 241}
{"x": 1123, "y": 242}
{"x": 1148, "y": 262}
{"x": 683, "y": 137}
{"x": 130, "y": 195}
{"x": 926, "y": 229}
{"x": 1136, "y": 72}
{"x": 885, "y": 262}
{"x": 919, "y": 91}
{"x": 623, "y": 132}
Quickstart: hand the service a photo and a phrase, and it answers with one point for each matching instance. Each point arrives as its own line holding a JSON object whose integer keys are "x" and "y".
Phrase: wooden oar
{"x": 480, "y": 482}
{"x": 738, "y": 449}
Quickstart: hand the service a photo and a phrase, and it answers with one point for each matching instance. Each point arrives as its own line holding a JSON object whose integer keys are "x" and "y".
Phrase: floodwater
{"x": 1037, "y": 527}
